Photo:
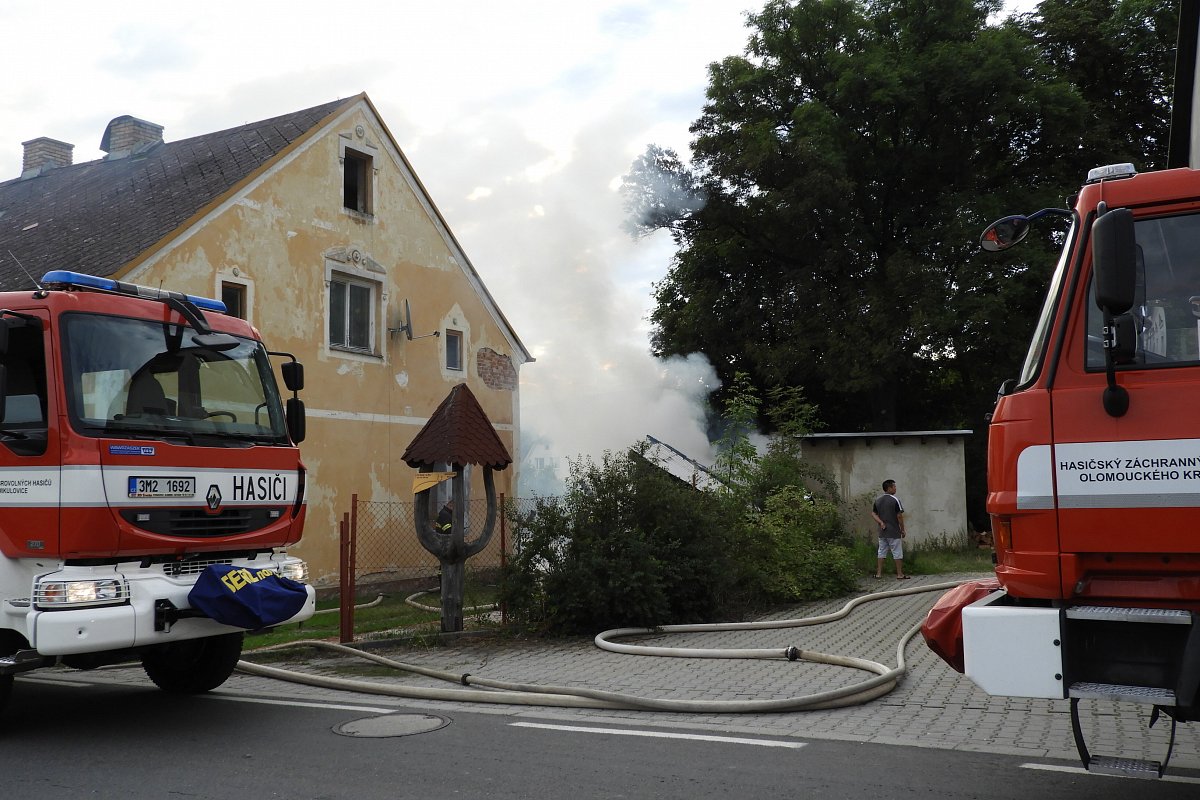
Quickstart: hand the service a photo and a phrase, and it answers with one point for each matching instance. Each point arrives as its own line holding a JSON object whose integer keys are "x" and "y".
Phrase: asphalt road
{"x": 77, "y": 739}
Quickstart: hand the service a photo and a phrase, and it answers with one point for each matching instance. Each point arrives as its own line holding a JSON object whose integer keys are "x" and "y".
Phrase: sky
{"x": 519, "y": 117}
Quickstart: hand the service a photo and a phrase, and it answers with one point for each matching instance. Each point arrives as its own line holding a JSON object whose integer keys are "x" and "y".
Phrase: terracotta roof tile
{"x": 459, "y": 432}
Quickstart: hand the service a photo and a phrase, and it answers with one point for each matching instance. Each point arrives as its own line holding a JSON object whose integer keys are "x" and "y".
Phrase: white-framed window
{"x": 352, "y": 306}
{"x": 454, "y": 350}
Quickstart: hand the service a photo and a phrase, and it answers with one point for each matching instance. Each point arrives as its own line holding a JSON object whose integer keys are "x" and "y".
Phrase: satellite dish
{"x": 406, "y": 326}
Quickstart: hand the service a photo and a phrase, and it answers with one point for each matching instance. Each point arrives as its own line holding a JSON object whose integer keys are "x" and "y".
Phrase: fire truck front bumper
{"x": 100, "y": 608}
{"x": 1012, "y": 650}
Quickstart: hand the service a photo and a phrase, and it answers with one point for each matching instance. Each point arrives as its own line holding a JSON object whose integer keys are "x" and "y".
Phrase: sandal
{"x": 903, "y": 577}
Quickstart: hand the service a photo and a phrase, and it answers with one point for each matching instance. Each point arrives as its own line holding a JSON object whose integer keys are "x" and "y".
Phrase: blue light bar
{"x": 66, "y": 278}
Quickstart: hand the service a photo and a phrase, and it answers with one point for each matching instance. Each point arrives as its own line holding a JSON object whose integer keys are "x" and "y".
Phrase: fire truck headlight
{"x": 295, "y": 569}
{"x": 74, "y": 594}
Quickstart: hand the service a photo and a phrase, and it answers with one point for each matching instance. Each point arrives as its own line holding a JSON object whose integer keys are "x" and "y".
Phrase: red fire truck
{"x": 142, "y": 439}
{"x": 1094, "y": 469}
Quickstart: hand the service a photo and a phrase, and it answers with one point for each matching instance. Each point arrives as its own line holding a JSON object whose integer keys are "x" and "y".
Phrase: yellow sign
{"x": 424, "y": 481}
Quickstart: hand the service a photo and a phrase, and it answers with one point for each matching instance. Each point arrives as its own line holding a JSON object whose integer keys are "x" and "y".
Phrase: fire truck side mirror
{"x": 293, "y": 375}
{"x": 3, "y": 386}
{"x": 4, "y": 328}
{"x": 1114, "y": 255}
{"x": 1005, "y": 233}
{"x": 295, "y": 419}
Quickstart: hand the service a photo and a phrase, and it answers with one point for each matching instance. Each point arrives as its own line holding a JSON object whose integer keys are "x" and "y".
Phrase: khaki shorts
{"x": 896, "y": 546}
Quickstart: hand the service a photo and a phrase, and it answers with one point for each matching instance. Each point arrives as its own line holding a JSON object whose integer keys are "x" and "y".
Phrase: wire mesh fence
{"x": 388, "y": 556}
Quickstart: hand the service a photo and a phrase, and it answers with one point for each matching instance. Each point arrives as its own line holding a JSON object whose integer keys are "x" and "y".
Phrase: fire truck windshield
{"x": 142, "y": 378}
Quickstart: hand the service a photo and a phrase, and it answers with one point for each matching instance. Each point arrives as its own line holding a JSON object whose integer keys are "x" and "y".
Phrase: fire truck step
{"x": 1146, "y": 695}
{"x": 1168, "y": 616}
{"x": 1125, "y": 767}
{"x": 23, "y": 661}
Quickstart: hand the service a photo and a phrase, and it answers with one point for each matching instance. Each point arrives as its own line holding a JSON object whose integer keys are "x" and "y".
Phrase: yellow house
{"x": 314, "y": 227}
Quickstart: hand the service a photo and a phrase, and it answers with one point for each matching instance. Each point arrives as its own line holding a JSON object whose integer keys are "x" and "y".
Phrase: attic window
{"x": 357, "y": 171}
{"x": 233, "y": 295}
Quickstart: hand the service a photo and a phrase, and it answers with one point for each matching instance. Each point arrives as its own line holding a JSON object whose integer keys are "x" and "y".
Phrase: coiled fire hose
{"x": 883, "y": 679}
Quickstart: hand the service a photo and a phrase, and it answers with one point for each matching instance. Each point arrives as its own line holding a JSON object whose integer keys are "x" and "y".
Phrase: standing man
{"x": 888, "y": 511}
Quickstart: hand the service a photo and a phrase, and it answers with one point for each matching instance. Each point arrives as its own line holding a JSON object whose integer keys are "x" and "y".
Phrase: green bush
{"x": 799, "y": 548}
{"x": 627, "y": 545}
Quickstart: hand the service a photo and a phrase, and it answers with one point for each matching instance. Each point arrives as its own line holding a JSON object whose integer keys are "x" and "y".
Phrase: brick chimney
{"x": 127, "y": 135}
{"x": 43, "y": 154}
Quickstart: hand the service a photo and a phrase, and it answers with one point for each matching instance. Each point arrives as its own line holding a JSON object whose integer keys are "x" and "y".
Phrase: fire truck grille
{"x": 193, "y": 567}
{"x": 191, "y": 522}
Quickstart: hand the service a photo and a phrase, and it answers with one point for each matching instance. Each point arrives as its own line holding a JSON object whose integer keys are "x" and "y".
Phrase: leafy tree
{"x": 848, "y": 162}
{"x": 1120, "y": 57}
{"x": 842, "y": 170}
{"x": 736, "y": 454}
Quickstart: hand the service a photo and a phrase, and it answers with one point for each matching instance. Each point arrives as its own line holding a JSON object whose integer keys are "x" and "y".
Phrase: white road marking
{"x": 300, "y": 704}
{"x": 55, "y": 682}
{"x": 1082, "y": 771}
{"x": 661, "y": 735}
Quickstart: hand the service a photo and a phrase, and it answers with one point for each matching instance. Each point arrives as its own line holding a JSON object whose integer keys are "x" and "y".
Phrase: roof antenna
{"x": 41, "y": 291}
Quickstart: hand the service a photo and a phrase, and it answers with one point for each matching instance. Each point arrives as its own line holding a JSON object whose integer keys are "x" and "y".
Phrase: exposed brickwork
{"x": 45, "y": 151}
{"x": 128, "y": 133}
{"x": 497, "y": 371}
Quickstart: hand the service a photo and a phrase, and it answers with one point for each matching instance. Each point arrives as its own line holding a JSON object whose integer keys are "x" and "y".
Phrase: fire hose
{"x": 882, "y": 681}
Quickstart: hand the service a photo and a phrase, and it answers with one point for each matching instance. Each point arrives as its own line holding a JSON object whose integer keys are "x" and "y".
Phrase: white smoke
{"x": 553, "y": 251}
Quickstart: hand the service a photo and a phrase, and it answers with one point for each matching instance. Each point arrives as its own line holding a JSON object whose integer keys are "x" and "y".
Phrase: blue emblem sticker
{"x": 131, "y": 449}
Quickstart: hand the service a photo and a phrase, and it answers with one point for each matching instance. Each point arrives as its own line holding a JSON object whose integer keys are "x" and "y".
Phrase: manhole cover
{"x": 386, "y": 725}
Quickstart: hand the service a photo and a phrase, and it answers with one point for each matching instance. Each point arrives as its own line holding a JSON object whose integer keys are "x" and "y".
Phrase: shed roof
{"x": 458, "y": 432}
{"x": 895, "y": 436}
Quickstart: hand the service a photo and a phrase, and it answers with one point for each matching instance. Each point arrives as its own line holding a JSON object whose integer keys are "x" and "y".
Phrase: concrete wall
{"x": 928, "y": 469}
{"x": 281, "y": 236}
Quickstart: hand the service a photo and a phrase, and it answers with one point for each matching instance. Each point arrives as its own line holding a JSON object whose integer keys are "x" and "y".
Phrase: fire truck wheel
{"x": 195, "y": 665}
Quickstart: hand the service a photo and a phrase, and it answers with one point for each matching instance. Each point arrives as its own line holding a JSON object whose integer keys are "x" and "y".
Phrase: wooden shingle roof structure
{"x": 458, "y": 432}
{"x": 99, "y": 216}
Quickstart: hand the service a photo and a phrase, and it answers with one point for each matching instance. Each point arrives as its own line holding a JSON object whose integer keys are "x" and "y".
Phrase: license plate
{"x": 162, "y": 487}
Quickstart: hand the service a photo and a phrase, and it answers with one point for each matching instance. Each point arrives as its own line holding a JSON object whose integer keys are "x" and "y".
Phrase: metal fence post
{"x": 346, "y": 595}
{"x": 503, "y": 553}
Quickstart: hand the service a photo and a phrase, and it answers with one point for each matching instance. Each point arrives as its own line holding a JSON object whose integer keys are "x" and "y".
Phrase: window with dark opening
{"x": 233, "y": 295}
{"x": 356, "y": 182}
